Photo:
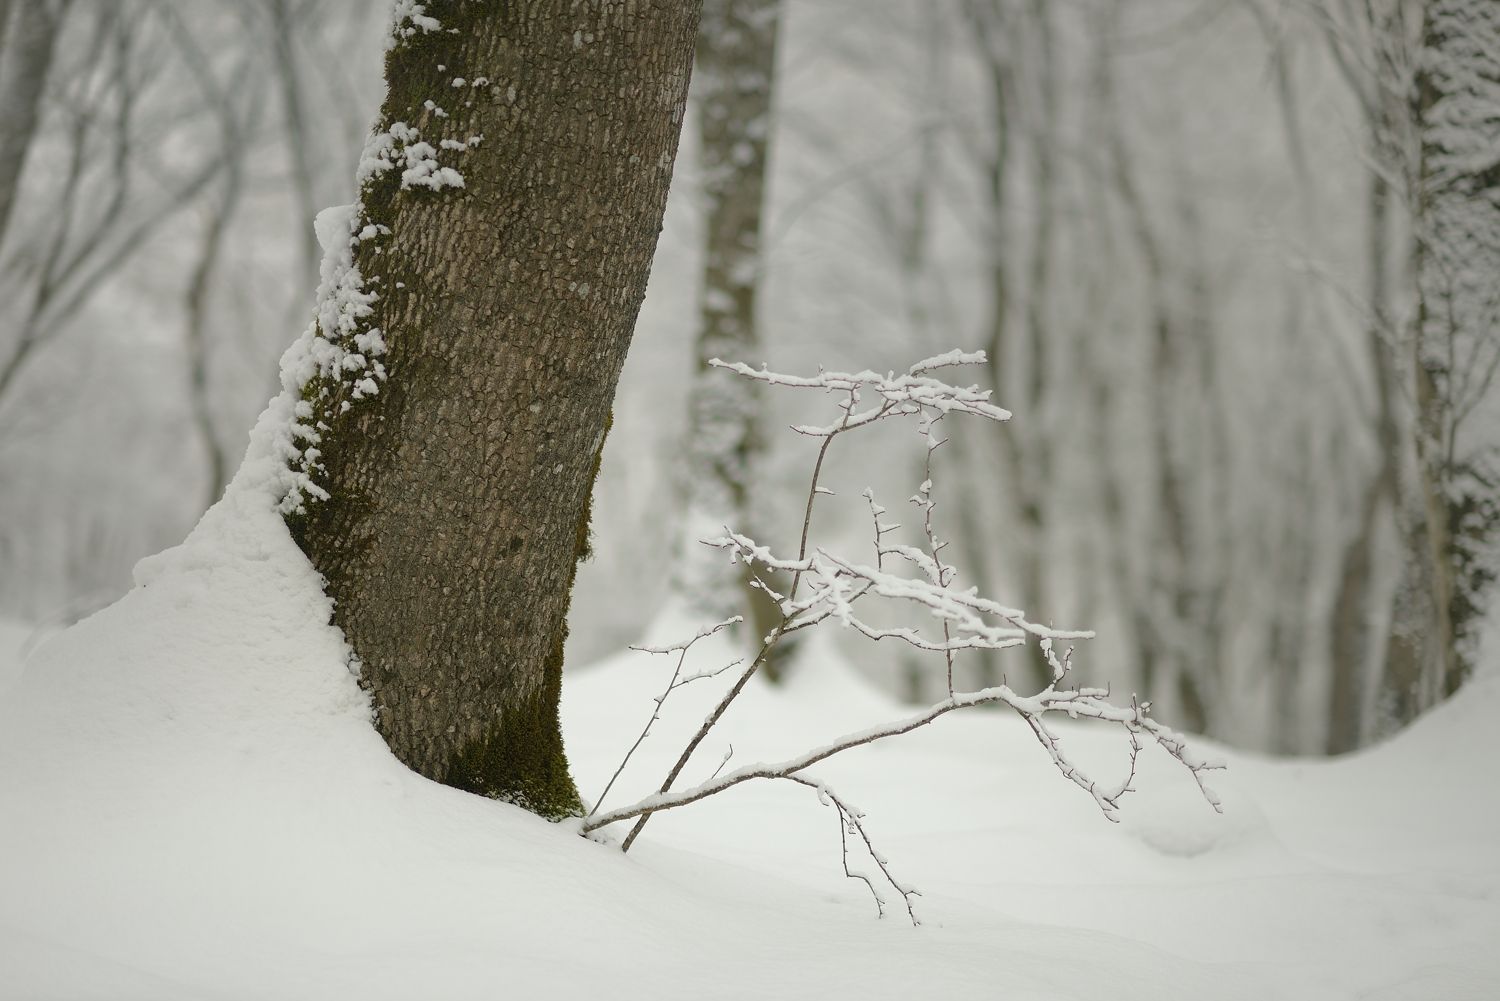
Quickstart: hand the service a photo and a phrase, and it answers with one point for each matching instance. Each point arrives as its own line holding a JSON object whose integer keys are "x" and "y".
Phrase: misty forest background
{"x": 1169, "y": 223}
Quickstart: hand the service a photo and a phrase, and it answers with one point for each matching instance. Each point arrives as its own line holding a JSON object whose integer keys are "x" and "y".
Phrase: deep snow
{"x": 194, "y": 805}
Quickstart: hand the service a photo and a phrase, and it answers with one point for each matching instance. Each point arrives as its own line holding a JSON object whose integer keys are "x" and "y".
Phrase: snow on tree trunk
{"x": 735, "y": 69}
{"x": 1450, "y": 512}
{"x": 475, "y": 312}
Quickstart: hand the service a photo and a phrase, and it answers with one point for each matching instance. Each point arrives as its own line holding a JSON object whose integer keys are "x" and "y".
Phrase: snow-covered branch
{"x": 966, "y": 620}
{"x": 1081, "y": 703}
{"x": 899, "y": 395}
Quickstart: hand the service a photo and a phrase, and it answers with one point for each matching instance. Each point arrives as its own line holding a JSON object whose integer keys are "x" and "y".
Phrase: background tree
{"x": 734, "y": 72}
{"x": 1451, "y": 510}
{"x": 1425, "y": 75}
{"x": 476, "y": 309}
{"x": 28, "y": 35}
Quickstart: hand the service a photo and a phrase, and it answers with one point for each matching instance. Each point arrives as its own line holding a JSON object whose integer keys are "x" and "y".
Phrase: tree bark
{"x": 458, "y": 494}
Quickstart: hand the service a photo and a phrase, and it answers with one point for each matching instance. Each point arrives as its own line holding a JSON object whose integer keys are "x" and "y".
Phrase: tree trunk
{"x": 29, "y": 33}
{"x": 284, "y": 31}
{"x": 1452, "y": 513}
{"x": 735, "y": 68}
{"x": 457, "y": 431}
{"x": 999, "y": 34}
{"x": 1351, "y": 635}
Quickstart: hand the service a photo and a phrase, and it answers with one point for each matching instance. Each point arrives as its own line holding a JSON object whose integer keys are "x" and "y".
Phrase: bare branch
{"x": 851, "y": 820}
{"x": 1082, "y": 703}
{"x": 968, "y": 621}
{"x": 680, "y": 648}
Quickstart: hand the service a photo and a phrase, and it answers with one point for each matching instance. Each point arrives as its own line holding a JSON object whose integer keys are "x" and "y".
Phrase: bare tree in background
{"x": 234, "y": 110}
{"x": 28, "y": 36}
{"x": 734, "y": 70}
{"x": 1370, "y": 42}
{"x": 1016, "y": 48}
{"x": 1424, "y": 75}
{"x": 1451, "y": 510}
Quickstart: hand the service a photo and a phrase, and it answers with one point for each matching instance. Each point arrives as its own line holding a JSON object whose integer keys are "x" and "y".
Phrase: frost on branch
{"x": 830, "y": 586}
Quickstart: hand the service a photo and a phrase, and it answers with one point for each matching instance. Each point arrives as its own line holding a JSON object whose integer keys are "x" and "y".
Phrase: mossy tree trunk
{"x": 458, "y": 475}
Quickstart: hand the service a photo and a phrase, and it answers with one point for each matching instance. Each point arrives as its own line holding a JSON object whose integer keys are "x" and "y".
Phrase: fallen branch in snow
{"x": 967, "y": 621}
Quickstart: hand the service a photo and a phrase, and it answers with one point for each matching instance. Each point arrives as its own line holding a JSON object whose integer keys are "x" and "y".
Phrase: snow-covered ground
{"x": 15, "y": 639}
{"x": 193, "y": 805}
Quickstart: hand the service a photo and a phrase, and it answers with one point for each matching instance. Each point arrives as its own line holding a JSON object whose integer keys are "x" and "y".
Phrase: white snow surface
{"x": 15, "y": 638}
{"x": 194, "y": 805}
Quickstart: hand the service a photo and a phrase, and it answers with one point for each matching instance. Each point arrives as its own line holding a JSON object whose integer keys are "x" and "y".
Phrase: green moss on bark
{"x": 520, "y": 759}
{"x": 585, "y": 539}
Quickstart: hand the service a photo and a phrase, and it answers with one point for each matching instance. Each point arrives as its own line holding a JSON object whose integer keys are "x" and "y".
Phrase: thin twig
{"x": 852, "y": 818}
{"x": 681, "y": 649}
{"x": 767, "y": 644}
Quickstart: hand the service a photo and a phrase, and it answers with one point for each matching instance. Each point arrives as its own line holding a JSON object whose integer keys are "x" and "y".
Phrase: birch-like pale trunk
{"x": 1450, "y": 516}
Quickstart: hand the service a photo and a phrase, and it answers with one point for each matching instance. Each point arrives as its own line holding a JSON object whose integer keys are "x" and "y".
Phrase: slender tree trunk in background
{"x": 1352, "y": 632}
{"x": 1157, "y": 605}
{"x": 200, "y": 395}
{"x": 735, "y": 69}
{"x": 1033, "y": 487}
{"x": 907, "y": 220}
{"x": 1461, "y": 293}
{"x": 1118, "y": 537}
{"x": 298, "y": 142}
{"x": 28, "y": 35}
{"x": 1023, "y": 468}
{"x": 458, "y": 495}
{"x": 233, "y": 127}
{"x": 1286, "y": 644}
{"x": 1449, "y": 513}
{"x": 1420, "y": 635}
{"x": 1196, "y": 416}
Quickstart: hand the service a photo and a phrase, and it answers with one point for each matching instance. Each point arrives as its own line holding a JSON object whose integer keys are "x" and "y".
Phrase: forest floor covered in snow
{"x": 194, "y": 805}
